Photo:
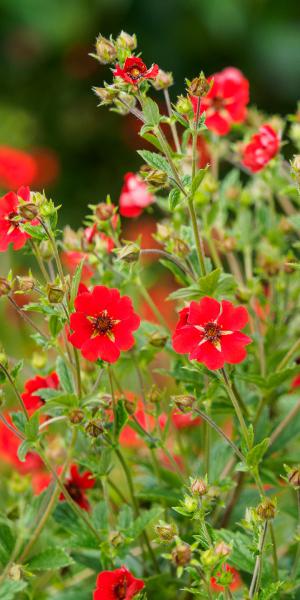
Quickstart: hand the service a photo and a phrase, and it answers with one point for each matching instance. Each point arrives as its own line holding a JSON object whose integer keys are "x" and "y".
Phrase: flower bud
{"x": 190, "y": 504}
{"x": 222, "y": 549}
{"x": 127, "y": 41}
{"x": 266, "y": 509}
{"x": 39, "y": 360}
{"x": 163, "y": 80}
{"x": 155, "y": 177}
{"x": 163, "y": 232}
{"x": 105, "y": 50}
{"x": 94, "y": 428}
{"x": 199, "y": 487}
{"x": 5, "y": 287}
{"x": 28, "y": 211}
{"x": 106, "y": 401}
{"x": 184, "y": 402}
{"x": 182, "y": 554}
{"x": 154, "y": 395}
{"x": 209, "y": 558}
{"x": 181, "y": 248}
{"x": 183, "y": 105}
{"x": 55, "y": 293}
{"x": 130, "y": 406}
{"x": 158, "y": 340}
{"x": 25, "y": 284}
{"x": 294, "y": 478}
{"x": 106, "y": 94}
{"x": 116, "y": 538}
{"x": 124, "y": 103}
{"x": 129, "y": 253}
{"x": 15, "y": 572}
{"x": 199, "y": 86}
{"x": 76, "y": 416}
{"x": 166, "y": 531}
{"x": 104, "y": 211}
{"x": 46, "y": 250}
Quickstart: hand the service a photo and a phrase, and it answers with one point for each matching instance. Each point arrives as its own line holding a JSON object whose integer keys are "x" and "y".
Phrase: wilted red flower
{"x": 10, "y": 228}
{"x": 119, "y": 584}
{"x": 103, "y": 324}
{"x": 17, "y": 168}
{"x": 234, "y": 585}
{"x": 135, "y": 71}
{"x": 72, "y": 258}
{"x": 76, "y": 485}
{"x": 226, "y": 101}
{"x": 262, "y": 147}
{"x": 32, "y": 400}
{"x": 209, "y": 331}
{"x": 134, "y": 196}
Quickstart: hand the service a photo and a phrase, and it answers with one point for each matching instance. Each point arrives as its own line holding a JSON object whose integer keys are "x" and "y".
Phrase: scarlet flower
{"x": 10, "y": 226}
{"x": 17, "y": 168}
{"x": 262, "y": 147}
{"x": 119, "y": 584}
{"x": 32, "y": 400}
{"x": 135, "y": 71}
{"x": 103, "y": 324}
{"x": 76, "y": 485}
{"x": 129, "y": 437}
{"x": 134, "y": 196}
{"x": 234, "y": 585}
{"x": 180, "y": 420}
{"x": 71, "y": 259}
{"x": 226, "y": 101}
{"x": 296, "y": 382}
{"x": 90, "y": 233}
{"x": 9, "y": 444}
{"x": 209, "y": 331}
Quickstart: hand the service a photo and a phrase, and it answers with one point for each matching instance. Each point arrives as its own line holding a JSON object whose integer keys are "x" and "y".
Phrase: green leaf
{"x": 209, "y": 282}
{"x": 55, "y": 325}
{"x": 19, "y": 420}
{"x": 75, "y": 283}
{"x": 35, "y": 231}
{"x": 143, "y": 521}
{"x": 198, "y": 179}
{"x": 64, "y": 374}
{"x": 23, "y": 450}
{"x": 152, "y": 140}
{"x": 255, "y": 455}
{"x": 155, "y": 160}
{"x": 32, "y": 427}
{"x": 9, "y": 589}
{"x": 174, "y": 198}
{"x": 7, "y": 540}
{"x": 17, "y": 368}
{"x": 121, "y": 416}
{"x": 151, "y": 112}
{"x": 52, "y": 558}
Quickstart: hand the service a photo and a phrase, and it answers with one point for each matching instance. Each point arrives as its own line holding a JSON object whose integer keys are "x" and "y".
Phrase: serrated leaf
{"x": 255, "y": 455}
{"x": 32, "y": 427}
{"x": 155, "y": 160}
{"x": 121, "y": 416}
{"x": 52, "y": 558}
{"x": 198, "y": 179}
{"x": 151, "y": 112}
{"x": 16, "y": 369}
{"x": 64, "y": 374}
{"x": 143, "y": 521}
{"x": 55, "y": 325}
{"x": 174, "y": 198}
{"x": 208, "y": 283}
{"x": 152, "y": 140}
{"x": 19, "y": 420}
{"x": 23, "y": 450}
{"x": 75, "y": 283}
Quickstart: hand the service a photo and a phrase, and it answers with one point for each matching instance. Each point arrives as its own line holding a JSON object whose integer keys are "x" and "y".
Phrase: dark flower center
{"x": 121, "y": 590}
{"x": 11, "y": 218}
{"x": 74, "y": 491}
{"x": 103, "y": 323}
{"x": 136, "y": 72}
{"x": 212, "y": 332}
{"x": 217, "y": 102}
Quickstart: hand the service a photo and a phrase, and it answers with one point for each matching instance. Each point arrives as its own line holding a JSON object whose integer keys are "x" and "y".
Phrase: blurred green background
{"x": 46, "y": 100}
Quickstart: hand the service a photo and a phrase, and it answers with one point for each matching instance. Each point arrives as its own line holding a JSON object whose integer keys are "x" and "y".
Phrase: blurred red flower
{"x": 77, "y": 484}
{"x": 103, "y": 324}
{"x": 9, "y": 444}
{"x": 262, "y": 147}
{"x": 209, "y": 331}
{"x": 119, "y": 584}
{"x": 235, "y": 583}
{"x": 31, "y": 400}
{"x": 47, "y": 166}
{"x": 135, "y": 71}
{"x": 134, "y": 196}
{"x": 10, "y": 223}
{"x": 91, "y": 233}
{"x": 17, "y": 168}
{"x": 72, "y": 258}
{"x": 226, "y": 101}
{"x": 180, "y": 420}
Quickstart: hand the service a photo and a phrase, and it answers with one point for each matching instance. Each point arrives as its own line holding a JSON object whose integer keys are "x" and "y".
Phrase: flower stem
{"x": 144, "y": 292}
{"x": 55, "y": 251}
{"x": 216, "y": 427}
{"x": 288, "y": 356}
{"x": 198, "y": 241}
{"x": 19, "y": 397}
{"x": 235, "y": 401}
{"x": 255, "y": 583}
{"x": 172, "y": 125}
{"x": 195, "y": 137}
{"x": 167, "y": 256}
{"x": 297, "y": 556}
{"x": 39, "y": 260}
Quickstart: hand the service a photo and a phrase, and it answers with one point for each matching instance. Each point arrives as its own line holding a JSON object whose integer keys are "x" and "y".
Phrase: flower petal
{"x": 204, "y": 311}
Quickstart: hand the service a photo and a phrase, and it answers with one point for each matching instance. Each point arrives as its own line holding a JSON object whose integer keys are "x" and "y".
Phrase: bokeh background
{"x": 46, "y": 103}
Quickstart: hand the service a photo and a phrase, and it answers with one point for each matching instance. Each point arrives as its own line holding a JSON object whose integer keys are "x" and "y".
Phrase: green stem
{"x": 172, "y": 125}
{"x": 216, "y": 427}
{"x": 55, "y": 252}
{"x": 144, "y": 292}
{"x": 78, "y": 373}
{"x": 297, "y": 556}
{"x": 197, "y": 237}
{"x": 19, "y": 397}
{"x": 195, "y": 137}
{"x": 39, "y": 260}
{"x": 288, "y": 356}
{"x": 235, "y": 402}
{"x": 255, "y": 583}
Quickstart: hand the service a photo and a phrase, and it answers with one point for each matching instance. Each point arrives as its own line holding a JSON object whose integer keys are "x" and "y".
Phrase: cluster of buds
{"x": 108, "y": 50}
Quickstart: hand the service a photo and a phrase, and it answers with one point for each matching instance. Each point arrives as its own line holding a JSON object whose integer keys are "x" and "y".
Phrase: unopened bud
{"x": 182, "y": 554}
{"x": 55, "y": 293}
{"x": 124, "y": 103}
{"x": 155, "y": 177}
{"x": 104, "y": 211}
{"x": 199, "y": 487}
{"x": 127, "y": 41}
{"x": 5, "y": 287}
{"x": 158, "y": 340}
{"x": 15, "y": 572}
{"x": 199, "y": 86}
{"x": 94, "y": 428}
{"x": 76, "y": 416}
{"x": 129, "y": 253}
{"x": 106, "y": 94}
{"x": 180, "y": 247}
{"x": 46, "y": 250}
{"x": 266, "y": 509}
{"x": 184, "y": 402}
{"x": 105, "y": 50}
{"x": 163, "y": 80}
{"x": 130, "y": 406}
{"x": 39, "y": 360}
{"x": 28, "y": 211}
{"x": 222, "y": 549}
{"x": 184, "y": 105}
{"x": 190, "y": 504}
{"x": 294, "y": 478}
{"x": 116, "y": 538}
{"x": 25, "y": 284}
{"x": 166, "y": 531}
{"x": 154, "y": 395}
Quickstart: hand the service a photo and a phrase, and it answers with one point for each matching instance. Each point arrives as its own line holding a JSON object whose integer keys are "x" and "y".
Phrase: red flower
{"x": 10, "y": 228}
{"x": 76, "y": 485}
{"x": 134, "y": 196}
{"x": 119, "y": 584}
{"x": 209, "y": 331}
{"x": 135, "y": 71}
{"x": 226, "y": 101}
{"x": 180, "y": 420}
{"x": 9, "y": 444}
{"x": 129, "y": 437}
{"x": 31, "y": 400}
{"x": 103, "y": 324}
{"x": 71, "y": 259}
{"x": 90, "y": 233}
{"x": 235, "y": 584}
{"x": 261, "y": 149}
{"x": 17, "y": 168}
{"x": 296, "y": 382}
